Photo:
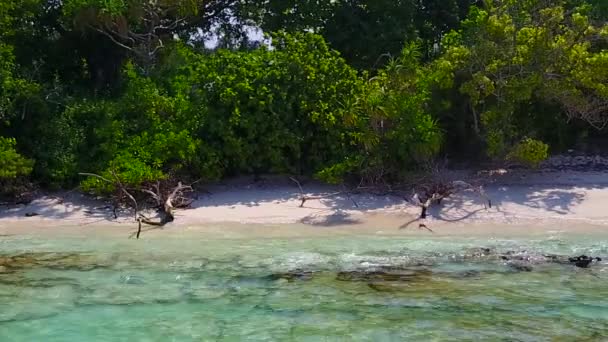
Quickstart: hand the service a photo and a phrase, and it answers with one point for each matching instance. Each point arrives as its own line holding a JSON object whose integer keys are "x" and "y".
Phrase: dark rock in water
{"x": 31, "y": 214}
{"x": 583, "y": 261}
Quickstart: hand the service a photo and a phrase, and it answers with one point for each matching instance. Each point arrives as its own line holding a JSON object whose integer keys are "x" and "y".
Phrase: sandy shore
{"x": 551, "y": 200}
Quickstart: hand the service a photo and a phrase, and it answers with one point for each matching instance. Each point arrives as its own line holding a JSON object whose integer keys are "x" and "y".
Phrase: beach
{"x": 562, "y": 201}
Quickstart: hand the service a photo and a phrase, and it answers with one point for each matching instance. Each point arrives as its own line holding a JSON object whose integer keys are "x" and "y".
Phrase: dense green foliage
{"x": 347, "y": 89}
{"x": 368, "y": 32}
{"x": 530, "y": 152}
{"x": 12, "y": 164}
{"x": 395, "y": 132}
{"x": 514, "y": 53}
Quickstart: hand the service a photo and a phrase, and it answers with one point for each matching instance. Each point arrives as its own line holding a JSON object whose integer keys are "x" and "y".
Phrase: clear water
{"x": 298, "y": 289}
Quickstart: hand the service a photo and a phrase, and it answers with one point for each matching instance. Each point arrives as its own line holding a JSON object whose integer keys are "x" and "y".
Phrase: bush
{"x": 395, "y": 132}
{"x": 268, "y": 111}
{"x": 12, "y": 164}
{"x": 529, "y": 152}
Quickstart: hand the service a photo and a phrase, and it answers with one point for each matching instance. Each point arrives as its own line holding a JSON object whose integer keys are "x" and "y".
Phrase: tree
{"x": 511, "y": 53}
{"x": 395, "y": 132}
{"x": 144, "y": 27}
{"x": 279, "y": 110}
{"x": 367, "y": 33}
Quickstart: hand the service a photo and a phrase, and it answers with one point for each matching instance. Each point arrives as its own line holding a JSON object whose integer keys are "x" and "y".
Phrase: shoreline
{"x": 570, "y": 200}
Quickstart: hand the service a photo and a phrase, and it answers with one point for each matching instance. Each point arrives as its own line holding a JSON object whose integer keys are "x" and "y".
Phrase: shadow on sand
{"x": 559, "y": 200}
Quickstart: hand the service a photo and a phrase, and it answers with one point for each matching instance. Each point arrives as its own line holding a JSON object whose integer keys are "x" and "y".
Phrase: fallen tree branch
{"x": 166, "y": 202}
{"x": 436, "y": 192}
{"x": 305, "y": 198}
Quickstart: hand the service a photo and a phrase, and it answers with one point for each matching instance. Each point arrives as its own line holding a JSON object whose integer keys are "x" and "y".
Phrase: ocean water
{"x": 330, "y": 288}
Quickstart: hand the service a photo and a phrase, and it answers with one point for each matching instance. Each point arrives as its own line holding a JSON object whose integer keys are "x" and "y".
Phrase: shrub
{"x": 12, "y": 164}
{"x": 529, "y": 152}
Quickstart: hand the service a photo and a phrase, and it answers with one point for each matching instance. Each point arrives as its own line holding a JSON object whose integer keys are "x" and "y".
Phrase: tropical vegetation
{"x": 341, "y": 90}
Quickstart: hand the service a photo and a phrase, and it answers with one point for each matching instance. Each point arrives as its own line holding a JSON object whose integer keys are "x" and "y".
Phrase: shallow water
{"x": 341, "y": 288}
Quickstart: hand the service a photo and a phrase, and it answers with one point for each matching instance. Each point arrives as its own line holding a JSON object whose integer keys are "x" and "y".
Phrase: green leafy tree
{"x": 367, "y": 33}
{"x": 396, "y": 133}
{"x": 143, "y": 28}
{"x": 280, "y": 110}
{"x": 511, "y": 54}
{"x": 140, "y": 136}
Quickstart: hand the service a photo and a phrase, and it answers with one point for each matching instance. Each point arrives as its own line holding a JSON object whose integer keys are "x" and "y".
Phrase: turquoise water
{"x": 355, "y": 288}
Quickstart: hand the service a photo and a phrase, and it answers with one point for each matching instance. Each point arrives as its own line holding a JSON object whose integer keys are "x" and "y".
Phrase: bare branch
{"x": 111, "y": 37}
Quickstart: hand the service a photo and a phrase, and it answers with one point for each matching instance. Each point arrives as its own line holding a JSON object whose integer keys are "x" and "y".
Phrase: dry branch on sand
{"x": 164, "y": 198}
{"x": 424, "y": 194}
{"x": 433, "y": 193}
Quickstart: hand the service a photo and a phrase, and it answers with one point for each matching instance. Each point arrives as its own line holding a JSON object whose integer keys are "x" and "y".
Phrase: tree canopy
{"x": 142, "y": 91}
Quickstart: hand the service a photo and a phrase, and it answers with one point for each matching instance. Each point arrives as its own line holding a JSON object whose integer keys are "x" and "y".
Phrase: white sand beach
{"x": 542, "y": 199}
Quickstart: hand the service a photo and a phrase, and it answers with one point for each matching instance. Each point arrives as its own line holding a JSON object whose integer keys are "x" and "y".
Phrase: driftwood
{"x": 168, "y": 203}
{"x": 434, "y": 193}
{"x": 424, "y": 195}
{"x": 165, "y": 201}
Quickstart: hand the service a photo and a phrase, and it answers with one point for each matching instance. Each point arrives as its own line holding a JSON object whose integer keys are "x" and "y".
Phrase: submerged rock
{"x": 383, "y": 274}
{"x": 388, "y": 286}
{"x": 467, "y": 274}
{"x": 520, "y": 266}
{"x": 523, "y": 261}
{"x": 386, "y": 278}
{"x": 292, "y": 276}
{"x": 61, "y": 261}
{"x": 479, "y": 252}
